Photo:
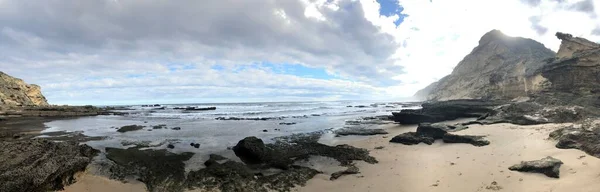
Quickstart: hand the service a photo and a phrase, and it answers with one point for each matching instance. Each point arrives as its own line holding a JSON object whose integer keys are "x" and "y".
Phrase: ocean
{"x": 214, "y": 135}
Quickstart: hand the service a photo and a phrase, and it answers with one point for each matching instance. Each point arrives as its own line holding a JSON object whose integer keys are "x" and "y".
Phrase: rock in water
{"x": 498, "y": 68}
{"x": 15, "y": 92}
{"x": 130, "y": 128}
{"x": 41, "y": 165}
{"x": 548, "y": 166}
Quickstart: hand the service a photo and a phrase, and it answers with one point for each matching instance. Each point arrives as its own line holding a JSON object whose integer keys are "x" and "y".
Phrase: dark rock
{"x": 283, "y": 123}
{"x": 578, "y": 138}
{"x": 200, "y": 108}
{"x": 281, "y": 154}
{"x": 192, "y": 144}
{"x": 170, "y": 146}
{"x": 41, "y": 165}
{"x": 197, "y": 145}
{"x": 252, "y": 118}
{"x": 176, "y": 128}
{"x": 214, "y": 160}
{"x": 234, "y": 176}
{"x": 161, "y": 126}
{"x": 445, "y": 110}
{"x": 427, "y": 133}
{"x": 351, "y": 170}
{"x": 360, "y": 106}
{"x": 360, "y": 131}
{"x": 436, "y": 131}
{"x": 470, "y": 139}
{"x": 160, "y": 170}
{"x": 412, "y": 138}
{"x": 251, "y": 150}
{"x": 130, "y": 128}
{"x": 548, "y": 166}
{"x": 265, "y": 130}
{"x": 379, "y": 147}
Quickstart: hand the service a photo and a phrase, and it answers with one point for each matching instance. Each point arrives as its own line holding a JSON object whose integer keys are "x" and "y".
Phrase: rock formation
{"x": 15, "y": 92}
{"x": 504, "y": 67}
{"x": 500, "y": 67}
{"x": 548, "y": 166}
{"x": 41, "y": 165}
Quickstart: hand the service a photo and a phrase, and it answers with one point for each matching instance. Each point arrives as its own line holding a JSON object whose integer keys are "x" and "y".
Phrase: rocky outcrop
{"x": 427, "y": 133}
{"x": 445, "y": 110}
{"x": 41, "y": 165}
{"x": 500, "y": 67}
{"x": 281, "y": 155}
{"x": 587, "y": 140}
{"x": 532, "y": 113}
{"x": 576, "y": 69}
{"x": 15, "y": 92}
{"x": 548, "y": 166}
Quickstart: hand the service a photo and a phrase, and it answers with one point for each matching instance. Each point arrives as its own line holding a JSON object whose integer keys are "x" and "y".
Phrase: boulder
{"x": 548, "y": 166}
{"x": 251, "y": 150}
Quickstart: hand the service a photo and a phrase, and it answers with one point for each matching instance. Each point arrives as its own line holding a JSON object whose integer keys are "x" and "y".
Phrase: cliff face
{"x": 500, "y": 67}
{"x": 576, "y": 69}
{"x": 15, "y": 92}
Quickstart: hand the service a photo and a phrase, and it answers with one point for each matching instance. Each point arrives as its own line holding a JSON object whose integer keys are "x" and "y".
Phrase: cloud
{"x": 136, "y": 51}
{"x": 67, "y": 46}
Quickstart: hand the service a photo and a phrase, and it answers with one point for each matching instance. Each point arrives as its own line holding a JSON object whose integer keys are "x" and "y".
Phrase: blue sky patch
{"x": 391, "y": 7}
{"x": 298, "y": 70}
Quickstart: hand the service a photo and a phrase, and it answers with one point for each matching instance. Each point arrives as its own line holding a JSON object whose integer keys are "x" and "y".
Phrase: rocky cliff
{"x": 576, "y": 68}
{"x": 15, "y": 92}
{"x": 500, "y": 67}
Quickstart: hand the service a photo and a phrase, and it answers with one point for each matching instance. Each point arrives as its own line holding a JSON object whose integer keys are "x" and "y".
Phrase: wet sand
{"x": 443, "y": 167}
{"x": 92, "y": 183}
{"x": 463, "y": 167}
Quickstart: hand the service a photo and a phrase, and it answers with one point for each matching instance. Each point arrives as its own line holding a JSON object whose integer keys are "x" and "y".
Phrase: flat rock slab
{"x": 350, "y": 171}
{"x": 41, "y": 165}
{"x": 548, "y": 166}
{"x": 470, "y": 139}
{"x": 412, "y": 138}
{"x": 359, "y": 131}
{"x": 427, "y": 133}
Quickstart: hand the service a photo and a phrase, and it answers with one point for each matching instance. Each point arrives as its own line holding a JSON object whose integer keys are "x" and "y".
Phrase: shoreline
{"x": 441, "y": 166}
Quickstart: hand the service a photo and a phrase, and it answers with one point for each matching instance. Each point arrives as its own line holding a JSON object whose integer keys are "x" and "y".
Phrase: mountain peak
{"x": 493, "y": 35}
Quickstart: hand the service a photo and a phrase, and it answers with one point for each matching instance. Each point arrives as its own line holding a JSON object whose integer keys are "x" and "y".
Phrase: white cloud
{"x": 136, "y": 50}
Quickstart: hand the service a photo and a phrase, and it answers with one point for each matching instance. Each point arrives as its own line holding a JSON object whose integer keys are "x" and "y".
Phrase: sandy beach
{"x": 463, "y": 167}
{"x": 442, "y": 167}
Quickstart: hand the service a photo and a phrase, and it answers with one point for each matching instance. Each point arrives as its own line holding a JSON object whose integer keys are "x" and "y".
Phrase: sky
{"x": 187, "y": 51}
